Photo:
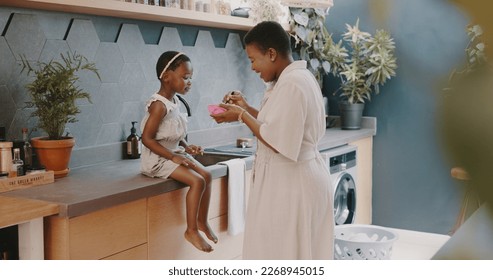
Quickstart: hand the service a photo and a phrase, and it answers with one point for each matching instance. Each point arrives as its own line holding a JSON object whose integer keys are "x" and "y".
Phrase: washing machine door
{"x": 344, "y": 200}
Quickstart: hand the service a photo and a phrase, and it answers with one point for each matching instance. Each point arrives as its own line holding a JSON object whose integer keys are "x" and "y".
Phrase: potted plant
{"x": 363, "y": 68}
{"x": 307, "y": 27}
{"x": 264, "y": 10}
{"x": 465, "y": 111}
{"x": 53, "y": 95}
{"x": 475, "y": 58}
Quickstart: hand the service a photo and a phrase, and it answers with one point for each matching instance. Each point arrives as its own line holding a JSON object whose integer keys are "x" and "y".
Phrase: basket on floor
{"x": 363, "y": 242}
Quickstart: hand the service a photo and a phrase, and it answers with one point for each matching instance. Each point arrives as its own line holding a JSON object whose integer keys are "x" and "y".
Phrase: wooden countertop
{"x": 19, "y": 210}
{"x": 100, "y": 186}
{"x": 91, "y": 188}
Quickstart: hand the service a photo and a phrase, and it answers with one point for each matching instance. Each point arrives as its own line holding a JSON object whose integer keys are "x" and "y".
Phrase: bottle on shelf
{"x": 17, "y": 164}
{"x": 223, "y": 7}
{"x": 172, "y": 3}
{"x": 2, "y": 133}
{"x": 199, "y": 6}
{"x": 27, "y": 149}
{"x": 133, "y": 143}
{"x": 5, "y": 157}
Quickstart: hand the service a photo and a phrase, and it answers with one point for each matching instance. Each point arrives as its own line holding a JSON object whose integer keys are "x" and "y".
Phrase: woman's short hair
{"x": 166, "y": 57}
{"x": 269, "y": 34}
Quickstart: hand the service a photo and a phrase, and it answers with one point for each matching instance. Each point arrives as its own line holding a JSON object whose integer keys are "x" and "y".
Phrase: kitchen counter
{"x": 92, "y": 188}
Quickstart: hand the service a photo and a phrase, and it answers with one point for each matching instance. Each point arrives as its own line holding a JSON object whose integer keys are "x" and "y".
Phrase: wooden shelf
{"x": 135, "y": 11}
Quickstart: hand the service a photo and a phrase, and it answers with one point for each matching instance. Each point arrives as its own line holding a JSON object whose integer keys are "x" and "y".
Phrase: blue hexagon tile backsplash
{"x": 127, "y": 68}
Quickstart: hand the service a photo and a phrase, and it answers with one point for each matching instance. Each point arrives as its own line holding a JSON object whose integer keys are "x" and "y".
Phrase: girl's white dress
{"x": 290, "y": 209}
{"x": 171, "y": 131}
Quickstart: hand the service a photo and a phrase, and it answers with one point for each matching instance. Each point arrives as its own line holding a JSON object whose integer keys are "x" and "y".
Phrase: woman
{"x": 290, "y": 208}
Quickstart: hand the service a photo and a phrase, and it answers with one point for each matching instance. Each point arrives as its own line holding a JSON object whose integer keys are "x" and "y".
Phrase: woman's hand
{"x": 231, "y": 114}
{"x": 194, "y": 150}
{"x": 235, "y": 97}
{"x": 182, "y": 160}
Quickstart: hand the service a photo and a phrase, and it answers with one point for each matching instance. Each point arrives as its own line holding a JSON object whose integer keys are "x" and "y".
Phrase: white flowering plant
{"x": 367, "y": 64}
{"x": 265, "y": 10}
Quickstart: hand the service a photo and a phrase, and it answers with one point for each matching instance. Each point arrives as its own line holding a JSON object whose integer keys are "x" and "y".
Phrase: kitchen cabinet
{"x": 364, "y": 162}
{"x": 136, "y": 11}
{"x": 150, "y": 228}
{"x": 167, "y": 224}
{"x": 98, "y": 235}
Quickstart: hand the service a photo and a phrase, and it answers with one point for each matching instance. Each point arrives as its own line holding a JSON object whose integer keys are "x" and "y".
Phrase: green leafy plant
{"x": 310, "y": 35}
{"x": 54, "y": 92}
{"x": 476, "y": 59}
{"x": 367, "y": 63}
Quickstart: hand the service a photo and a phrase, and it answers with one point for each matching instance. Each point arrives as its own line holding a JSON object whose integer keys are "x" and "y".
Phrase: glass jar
{"x": 6, "y": 156}
{"x": 173, "y": 4}
{"x": 223, "y": 7}
{"x": 206, "y": 7}
{"x": 199, "y": 6}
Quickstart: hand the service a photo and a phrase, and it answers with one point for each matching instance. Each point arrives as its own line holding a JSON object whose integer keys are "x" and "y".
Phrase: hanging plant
{"x": 475, "y": 58}
{"x": 307, "y": 27}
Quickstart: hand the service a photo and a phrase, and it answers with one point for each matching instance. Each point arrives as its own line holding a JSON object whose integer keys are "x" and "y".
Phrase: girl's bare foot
{"x": 205, "y": 228}
{"x": 196, "y": 239}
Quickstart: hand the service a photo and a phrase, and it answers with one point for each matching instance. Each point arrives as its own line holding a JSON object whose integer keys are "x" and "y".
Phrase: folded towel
{"x": 236, "y": 195}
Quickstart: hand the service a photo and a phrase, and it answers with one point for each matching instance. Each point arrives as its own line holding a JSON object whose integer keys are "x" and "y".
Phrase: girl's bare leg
{"x": 193, "y": 200}
{"x": 203, "y": 218}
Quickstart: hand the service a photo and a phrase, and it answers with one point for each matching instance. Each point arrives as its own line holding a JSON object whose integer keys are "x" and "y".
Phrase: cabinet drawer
{"x": 106, "y": 232}
{"x": 137, "y": 253}
{"x": 99, "y": 234}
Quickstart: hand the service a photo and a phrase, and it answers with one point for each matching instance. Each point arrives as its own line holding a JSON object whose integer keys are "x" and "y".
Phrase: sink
{"x": 208, "y": 159}
{"x": 232, "y": 150}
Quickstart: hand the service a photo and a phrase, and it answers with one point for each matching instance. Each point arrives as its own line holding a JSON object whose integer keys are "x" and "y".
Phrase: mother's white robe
{"x": 290, "y": 207}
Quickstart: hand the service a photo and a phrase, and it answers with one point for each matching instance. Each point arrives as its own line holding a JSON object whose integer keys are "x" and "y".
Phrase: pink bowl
{"x": 215, "y": 109}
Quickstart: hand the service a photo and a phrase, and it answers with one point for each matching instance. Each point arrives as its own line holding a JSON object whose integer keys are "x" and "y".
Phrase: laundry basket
{"x": 363, "y": 242}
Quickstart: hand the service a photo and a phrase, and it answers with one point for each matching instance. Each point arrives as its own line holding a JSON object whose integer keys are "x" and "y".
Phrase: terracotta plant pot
{"x": 54, "y": 154}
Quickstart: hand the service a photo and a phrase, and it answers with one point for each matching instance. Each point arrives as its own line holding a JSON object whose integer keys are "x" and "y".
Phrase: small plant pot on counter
{"x": 351, "y": 115}
{"x": 54, "y": 154}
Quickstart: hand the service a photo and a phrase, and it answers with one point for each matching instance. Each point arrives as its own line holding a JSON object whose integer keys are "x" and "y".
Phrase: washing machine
{"x": 341, "y": 162}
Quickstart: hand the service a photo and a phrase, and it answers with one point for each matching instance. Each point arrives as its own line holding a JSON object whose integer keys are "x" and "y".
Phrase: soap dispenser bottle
{"x": 133, "y": 143}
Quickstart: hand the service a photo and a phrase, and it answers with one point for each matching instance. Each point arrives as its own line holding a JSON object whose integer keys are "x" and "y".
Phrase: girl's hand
{"x": 235, "y": 97}
{"x": 182, "y": 160}
{"x": 194, "y": 150}
{"x": 231, "y": 114}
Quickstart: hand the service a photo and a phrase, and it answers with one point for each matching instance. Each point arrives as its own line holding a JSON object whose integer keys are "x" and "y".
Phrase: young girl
{"x": 167, "y": 155}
